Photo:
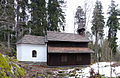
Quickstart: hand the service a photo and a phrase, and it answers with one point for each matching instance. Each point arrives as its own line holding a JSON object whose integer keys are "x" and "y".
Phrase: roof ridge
{"x": 34, "y": 35}
{"x": 53, "y": 36}
{"x": 63, "y": 32}
{"x": 61, "y": 36}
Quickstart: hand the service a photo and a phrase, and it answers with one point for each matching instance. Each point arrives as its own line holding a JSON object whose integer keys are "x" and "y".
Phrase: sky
{"x": 71, "y": 6}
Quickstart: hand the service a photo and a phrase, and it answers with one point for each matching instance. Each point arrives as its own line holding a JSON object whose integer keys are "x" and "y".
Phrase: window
{"x": 63, "y": 58}
{"x": 34, "y": 53}
{"x": 79, "y": 58}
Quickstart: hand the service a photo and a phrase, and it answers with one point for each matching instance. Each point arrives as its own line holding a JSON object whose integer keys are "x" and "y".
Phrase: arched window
{"x": 34, "y": 53}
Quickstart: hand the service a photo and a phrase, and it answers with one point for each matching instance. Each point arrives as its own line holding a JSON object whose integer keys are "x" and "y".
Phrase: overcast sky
{"x": 71, "y": 9}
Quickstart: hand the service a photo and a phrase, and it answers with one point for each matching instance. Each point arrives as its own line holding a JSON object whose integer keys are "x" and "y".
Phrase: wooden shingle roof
{"x": 69, "y": 37}
{"x": 53, "y": 36}
{"x": 30, "y": 39}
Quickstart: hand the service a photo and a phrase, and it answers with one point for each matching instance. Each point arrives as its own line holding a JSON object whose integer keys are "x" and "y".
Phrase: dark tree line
{"x": 20, "y": 17}
{"x": 113, "y": 25}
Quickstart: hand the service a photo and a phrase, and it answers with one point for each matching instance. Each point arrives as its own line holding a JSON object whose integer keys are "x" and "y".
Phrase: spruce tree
{"x": 97, "y": 25}
{"x": 14, "y": 18}
{"x": 46, "y": 16}
{"x": 113, "y": 25}
{"x": 22, "y": 18}
{"x": 38, "y": 22}
{"x": 6, "y": 20}
{"x": 56, "y": 17}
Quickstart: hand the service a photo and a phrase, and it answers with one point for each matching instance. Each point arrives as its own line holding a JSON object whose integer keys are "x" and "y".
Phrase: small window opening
{"x": 34, "y": 53}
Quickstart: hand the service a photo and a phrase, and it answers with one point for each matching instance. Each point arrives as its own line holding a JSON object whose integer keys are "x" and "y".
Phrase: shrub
{"x": 9, "y": 67}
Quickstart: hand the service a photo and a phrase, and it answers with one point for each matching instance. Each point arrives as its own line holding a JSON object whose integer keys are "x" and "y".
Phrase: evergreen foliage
{"x": 21, "y": 9}
{"x": 38, "y": 12}
{"x": 20, "y": 17}
{"x": 56, "y": 17}
{"x": 97, "y": 27}
{"x": 98, "y": 21}
{"x": 113, "y": 25}
{"x": 6, "y": 20}
{"x": 46, "y": 16}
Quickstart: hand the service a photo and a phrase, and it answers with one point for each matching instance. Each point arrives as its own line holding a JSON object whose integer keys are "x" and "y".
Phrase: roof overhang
{"x": 69, "y": 50}
{"x": 72, "y": 52}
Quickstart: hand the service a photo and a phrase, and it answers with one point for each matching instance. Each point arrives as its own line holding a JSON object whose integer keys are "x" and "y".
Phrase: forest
{"x": 36, "y": 17}
{"x": 105, "y": 47}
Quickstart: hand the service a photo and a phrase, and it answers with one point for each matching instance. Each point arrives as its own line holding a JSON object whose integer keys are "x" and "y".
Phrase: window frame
{"x": 34, "y": 53}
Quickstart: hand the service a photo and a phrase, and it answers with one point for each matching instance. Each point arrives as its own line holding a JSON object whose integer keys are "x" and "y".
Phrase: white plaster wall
{"x": 24, "y": 52}
{"x": 19, "y": 53}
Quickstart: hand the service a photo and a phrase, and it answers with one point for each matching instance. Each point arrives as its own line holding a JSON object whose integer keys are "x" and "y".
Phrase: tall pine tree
{"x": 113, "y": 25}
{"x": 38, "y": 21}
{"x": 56, "y": 17}
{"x": 22, "y": 17}
{"x": 46, "y": 16}
{"x": 97, "y": 25}
{"x": 14, "y": 18}
{"x": 6, "y": 20}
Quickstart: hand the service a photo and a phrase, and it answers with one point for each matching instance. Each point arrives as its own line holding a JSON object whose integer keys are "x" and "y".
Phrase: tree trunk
{"x": 96, "y": 47}
{"x": 96, "y": 50}
{"x": 8, "y": 43}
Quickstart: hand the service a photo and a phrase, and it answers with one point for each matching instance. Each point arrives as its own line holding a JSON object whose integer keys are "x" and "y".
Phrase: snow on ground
{"x": 104, "y": 69}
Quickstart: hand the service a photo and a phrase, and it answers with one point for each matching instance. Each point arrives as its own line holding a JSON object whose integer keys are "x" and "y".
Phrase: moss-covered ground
{"x": 9, "y": 67}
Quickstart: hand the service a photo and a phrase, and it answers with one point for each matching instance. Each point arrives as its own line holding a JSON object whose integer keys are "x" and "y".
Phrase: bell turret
{"x": 81, "y": 31}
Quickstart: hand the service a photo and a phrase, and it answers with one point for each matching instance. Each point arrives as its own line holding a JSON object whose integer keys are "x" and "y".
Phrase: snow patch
{"x": 104, "y": 68}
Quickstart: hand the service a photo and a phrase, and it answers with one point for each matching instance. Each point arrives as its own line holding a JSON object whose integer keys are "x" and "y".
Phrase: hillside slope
{"x": 9, "y": 67}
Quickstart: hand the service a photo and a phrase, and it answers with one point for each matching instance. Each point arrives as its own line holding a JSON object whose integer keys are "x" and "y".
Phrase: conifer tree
{"x": 14, "y": 18}
{"x": 22, "y": 17}
{"x": 6, "y": 20}
{"x": 46, "y": 16}
{"x": 56, "y": 17}
{"x": 38, "y": 21}
{"x": 113, "y": 25}
{"x": 97, "y": 25}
